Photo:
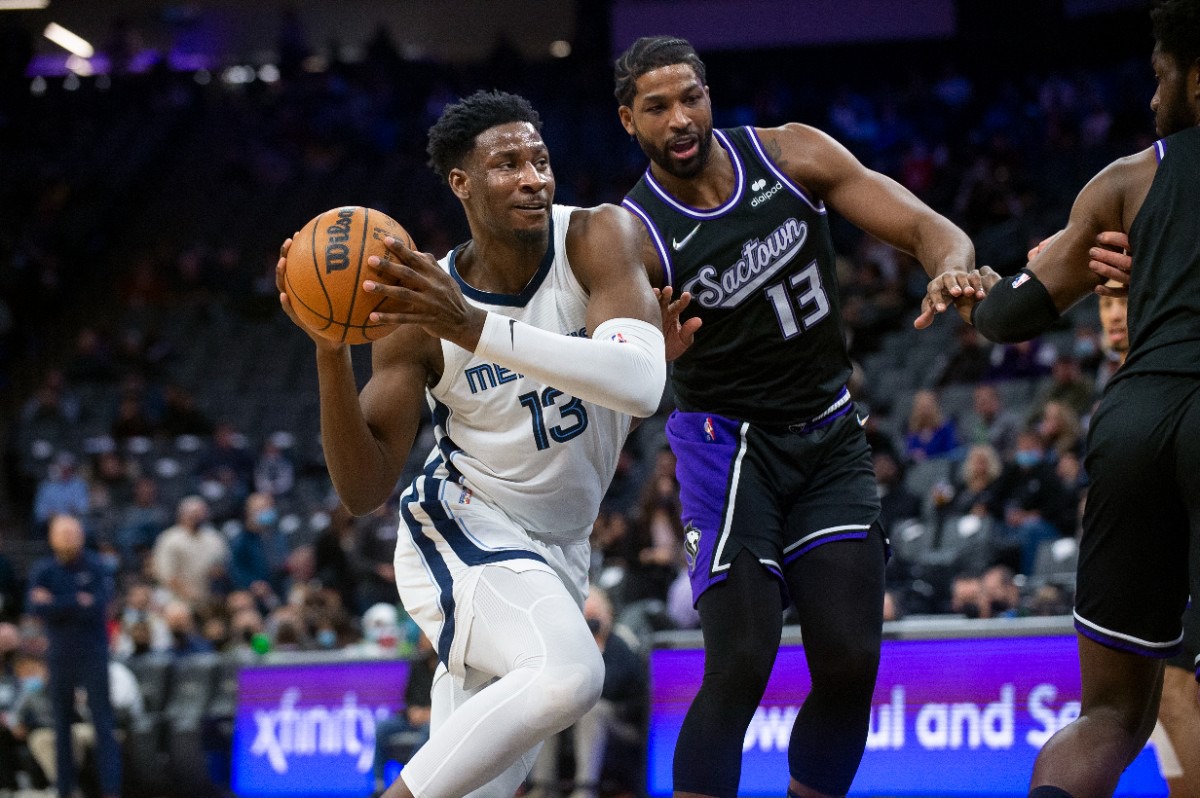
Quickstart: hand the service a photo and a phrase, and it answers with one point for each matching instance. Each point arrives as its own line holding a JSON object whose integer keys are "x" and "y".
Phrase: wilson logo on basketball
{"x": 337, "y": 250}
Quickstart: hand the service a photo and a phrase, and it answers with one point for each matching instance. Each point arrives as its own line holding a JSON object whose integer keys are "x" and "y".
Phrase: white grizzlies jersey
{"x": 542, "y": 457}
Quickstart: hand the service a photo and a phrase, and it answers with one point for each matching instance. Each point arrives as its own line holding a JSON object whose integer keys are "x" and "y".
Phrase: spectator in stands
{"x": 374, "y": 552}
{"x": 32, "y": 719}
{"x": 1114, "y": 341}
{"x": 1000, "y": 592}
{"x": 140, "y": 521}
{"x": 968, "y": 362}
{"x": 992, "y": 422}
{"x": 53, "y": 403}
{"x": 257, "y": 550}
{"x": 92, "y": 360}
{"x": 274, "y": 472}
{"x": 972, "y": 490}
{"x": 227, "y": 463}
{"x": 132, "y": 420}
{"x": 181, "y": 623}
{"x": 70, "y": 592}
{"x": 1058, "y": 426}
{"x": 1030, "y": 501}
{"x": 897, "y": 503}
{"x": 1050, "y": 599}
{"x": 398, "y": 737}
{"x": 657, "y": 535}
{"x": 333, "y": 552}
{"x": 618, "y": 715}
{"x": 928, "y": 433}
{"x": 893, "y": 606}
{"x": 180, "y": 414}
{"x": 1067, "y": 385}
{"x": 10, "y": 690}
{"x": 190, "y": 555}
{"x": 140, "y": 615}
{"x": 62, "y": 491}
{"x": 966, "y": 596}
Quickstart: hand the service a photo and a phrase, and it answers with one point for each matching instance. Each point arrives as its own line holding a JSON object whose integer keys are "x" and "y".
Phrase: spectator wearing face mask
{"x": 1030, "y": 501}
{"x": 257, "y": 551}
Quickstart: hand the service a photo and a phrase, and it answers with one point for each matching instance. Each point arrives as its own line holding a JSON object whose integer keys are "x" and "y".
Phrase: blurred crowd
{"x": 146, "y": 229}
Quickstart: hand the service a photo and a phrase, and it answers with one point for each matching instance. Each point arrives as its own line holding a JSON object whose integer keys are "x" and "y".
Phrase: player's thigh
{"x": 1132, "y": 584}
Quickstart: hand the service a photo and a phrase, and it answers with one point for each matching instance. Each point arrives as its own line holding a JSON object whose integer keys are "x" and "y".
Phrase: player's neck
{"x": 501, "y": 266}
{"x": 709, "y": 188}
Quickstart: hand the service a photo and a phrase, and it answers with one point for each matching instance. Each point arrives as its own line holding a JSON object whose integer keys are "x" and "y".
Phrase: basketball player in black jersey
{"x": 1143, "y": 509}
{"x": 779, "y": 499}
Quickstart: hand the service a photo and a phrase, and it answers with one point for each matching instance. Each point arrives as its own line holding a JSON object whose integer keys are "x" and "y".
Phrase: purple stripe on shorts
{"x": 1108, "y": 641}
{"x": 807, "y": 547}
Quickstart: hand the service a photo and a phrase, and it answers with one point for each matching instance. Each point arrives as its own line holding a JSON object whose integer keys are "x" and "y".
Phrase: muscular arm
{"x": 367, "y": 437}
{"x": 871, "y": 201}
{"x": 607, "y": 253}
{"x": 1060, "y": 273}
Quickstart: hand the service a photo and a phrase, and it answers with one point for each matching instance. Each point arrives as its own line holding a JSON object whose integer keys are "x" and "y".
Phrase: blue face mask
{"x": 1027, "y": 458}
{"x": 268, "y": 516}
{"x": 326, "y": 638}
{"x": 32, "y": 684}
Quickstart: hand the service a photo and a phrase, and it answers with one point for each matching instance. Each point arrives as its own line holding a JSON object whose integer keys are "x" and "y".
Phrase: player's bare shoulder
{"x": 600, "y": 238}
{"x": 801, "y": 151}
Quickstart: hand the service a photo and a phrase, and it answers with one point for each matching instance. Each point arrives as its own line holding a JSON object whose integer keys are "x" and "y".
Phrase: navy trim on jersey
{"x": 700, "y": 213}
{"x": 656, "y": 237}
{"x": 1160, "y": 149}
{"x": 439, "y": 573}
{"x": 511, "y": 300}
{"x": 446, "y": 444}
{"x": 773, "y": 168}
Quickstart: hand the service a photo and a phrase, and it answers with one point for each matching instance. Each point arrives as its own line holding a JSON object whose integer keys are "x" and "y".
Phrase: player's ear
{"x": 460, "y": 183}
{"x": 626, "y": 114}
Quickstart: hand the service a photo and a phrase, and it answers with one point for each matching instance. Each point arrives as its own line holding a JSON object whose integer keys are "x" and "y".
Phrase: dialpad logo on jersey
{"x": 691, "y": 545}
{"x": 766, "y": 195}
{"x": 316, "y": 730}
{"x": 761, "y": 260}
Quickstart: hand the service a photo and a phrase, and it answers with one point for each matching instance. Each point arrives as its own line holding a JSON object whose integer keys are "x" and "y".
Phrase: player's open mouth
{"x": 532, "y": 207}
{"x": 685, "y": 147}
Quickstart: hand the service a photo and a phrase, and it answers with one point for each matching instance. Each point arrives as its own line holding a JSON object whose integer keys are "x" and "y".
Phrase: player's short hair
{"x": 1177, "y": 29}
{"x": 649, "y": 53}
{"x": 453, "y": 135}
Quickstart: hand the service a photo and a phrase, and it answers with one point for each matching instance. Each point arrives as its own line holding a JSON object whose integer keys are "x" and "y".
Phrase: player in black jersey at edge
{"x": 779, "y": 499}
{"x": 1143, "y": 507}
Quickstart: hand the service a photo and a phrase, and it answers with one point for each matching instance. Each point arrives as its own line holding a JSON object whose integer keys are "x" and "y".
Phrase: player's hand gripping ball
{"x": 326, "y": 267}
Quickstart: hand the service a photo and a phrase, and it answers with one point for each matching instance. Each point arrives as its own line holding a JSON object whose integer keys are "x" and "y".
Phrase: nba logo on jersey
{"x": 618, "y": 337}
{"x": 709, "y": 433}
{"x": 1021, "y": 279}
{"x": 691, "y": 544}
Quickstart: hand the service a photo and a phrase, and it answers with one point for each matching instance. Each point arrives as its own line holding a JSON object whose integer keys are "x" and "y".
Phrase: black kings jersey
{"x": 1164, "y": 296}
{"x": 761, "y": 272}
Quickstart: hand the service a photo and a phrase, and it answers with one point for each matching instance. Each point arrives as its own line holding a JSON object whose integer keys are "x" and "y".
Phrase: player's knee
{"x": 851, "y": 666}
{"x": 564, "y": 693}
{"x": 741, "y": 674}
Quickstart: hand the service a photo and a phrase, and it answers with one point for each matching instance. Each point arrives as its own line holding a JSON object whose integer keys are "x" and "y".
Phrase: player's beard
{"x": 684, "y": 171}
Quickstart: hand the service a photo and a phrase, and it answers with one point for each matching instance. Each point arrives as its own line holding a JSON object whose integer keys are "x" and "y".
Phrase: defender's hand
{"x": 678, "y": 336}
{"x": 1111, "y": 260}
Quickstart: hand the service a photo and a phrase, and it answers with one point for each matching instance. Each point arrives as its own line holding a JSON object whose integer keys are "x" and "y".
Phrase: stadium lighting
{"x": 23, "y": 5}
{"x": 71, "y": 42}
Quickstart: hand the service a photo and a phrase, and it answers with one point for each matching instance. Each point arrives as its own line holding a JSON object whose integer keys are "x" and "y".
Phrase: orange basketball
{"x": 326, "y": 267}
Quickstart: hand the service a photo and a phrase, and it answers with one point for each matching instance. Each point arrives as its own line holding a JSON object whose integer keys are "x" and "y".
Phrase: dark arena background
{"x": 151, "y": 163}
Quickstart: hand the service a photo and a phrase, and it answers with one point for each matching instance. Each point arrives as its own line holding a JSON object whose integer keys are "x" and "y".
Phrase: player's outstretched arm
{"x": 1109, "y": 258}
{"x": 880, "y": 206}
{"x": 366, "y": 438}
{"x": 1023, "y": 306}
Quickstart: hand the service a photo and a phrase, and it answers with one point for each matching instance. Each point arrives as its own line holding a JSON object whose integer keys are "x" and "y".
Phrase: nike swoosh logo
{"x": 678, "y": 244}
{"x": 862, "y": 420}
{"x": 512, "y": 335}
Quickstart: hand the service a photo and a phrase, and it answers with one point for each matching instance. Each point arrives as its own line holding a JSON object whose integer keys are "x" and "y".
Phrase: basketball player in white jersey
{"x": 534, "y": 344}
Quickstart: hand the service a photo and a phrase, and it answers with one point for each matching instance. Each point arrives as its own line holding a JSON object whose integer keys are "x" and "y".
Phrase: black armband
{"x": 1015, "y": 309}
